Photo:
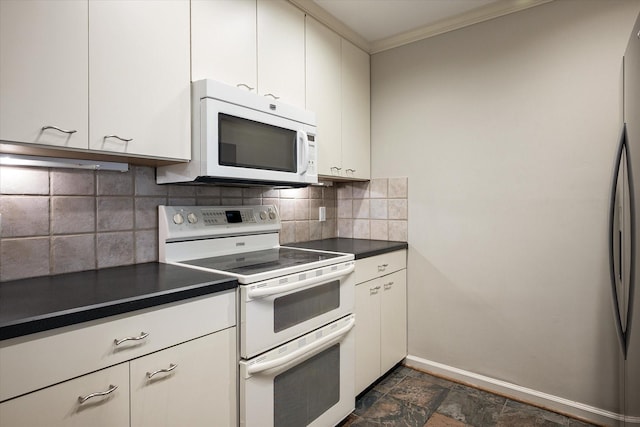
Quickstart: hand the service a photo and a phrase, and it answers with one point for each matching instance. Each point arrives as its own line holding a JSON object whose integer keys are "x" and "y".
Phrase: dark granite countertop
{"x": 361, "y": 248}
{"x": 42, "y": 303}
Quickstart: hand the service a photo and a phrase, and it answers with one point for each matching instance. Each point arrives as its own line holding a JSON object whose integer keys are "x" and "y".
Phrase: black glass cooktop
{"x": 261, "y": 261}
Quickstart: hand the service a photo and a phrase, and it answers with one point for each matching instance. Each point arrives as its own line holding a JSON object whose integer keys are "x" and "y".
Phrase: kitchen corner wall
{"x": 62, "y": 220}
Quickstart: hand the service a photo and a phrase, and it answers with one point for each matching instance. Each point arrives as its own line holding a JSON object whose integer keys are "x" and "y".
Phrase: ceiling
{"x": 377, "y": 25}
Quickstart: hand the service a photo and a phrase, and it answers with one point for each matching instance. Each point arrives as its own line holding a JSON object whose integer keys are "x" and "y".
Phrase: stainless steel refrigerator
{"x": 624, "y": 236}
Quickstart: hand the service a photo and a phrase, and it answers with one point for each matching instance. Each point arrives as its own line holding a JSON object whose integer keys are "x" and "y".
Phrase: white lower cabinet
{"x": 381, "y": 321}
{"x": 192, "y": 384}
{"x": 59, "y": 405}
{"x": 175, "y": 365}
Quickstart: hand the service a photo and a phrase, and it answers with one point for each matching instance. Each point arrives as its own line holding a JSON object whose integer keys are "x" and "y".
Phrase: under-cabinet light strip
{"x": 55, "y": 162}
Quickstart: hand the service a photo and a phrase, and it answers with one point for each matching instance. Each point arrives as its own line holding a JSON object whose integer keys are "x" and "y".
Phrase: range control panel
{"x": 218, "y": 220}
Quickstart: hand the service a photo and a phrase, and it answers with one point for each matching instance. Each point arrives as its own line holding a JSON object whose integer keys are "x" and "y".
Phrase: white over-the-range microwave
{"x": 240, "y": 137}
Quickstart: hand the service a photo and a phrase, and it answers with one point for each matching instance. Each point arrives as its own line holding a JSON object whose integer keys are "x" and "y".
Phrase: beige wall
{"x": 507, "y": 131}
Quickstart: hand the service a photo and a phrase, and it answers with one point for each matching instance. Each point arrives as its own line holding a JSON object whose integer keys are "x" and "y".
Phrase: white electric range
{"x": 295, "y": 311}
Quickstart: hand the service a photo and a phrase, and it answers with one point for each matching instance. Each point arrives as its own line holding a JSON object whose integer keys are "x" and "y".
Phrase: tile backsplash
{"x": 62, "y": 220}
{"x": 377, "y": 209}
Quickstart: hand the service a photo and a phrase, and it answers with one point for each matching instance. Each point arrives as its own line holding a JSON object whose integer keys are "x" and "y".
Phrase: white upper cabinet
{"x": 43, "y": 72}
{"x": 258, "y": 45}
{"x": 139, "y": 77}
{"x": 338, "y": 90}
{"x": 223, "y": 42}
{"x": 323, "y": 68}
{"x": 356, "y": 121}
{"x": 280, "y": 30}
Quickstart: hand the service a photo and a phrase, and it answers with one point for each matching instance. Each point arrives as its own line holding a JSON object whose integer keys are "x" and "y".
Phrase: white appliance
{"x": 242, "y": 138}
{"x": 296, "y": 339}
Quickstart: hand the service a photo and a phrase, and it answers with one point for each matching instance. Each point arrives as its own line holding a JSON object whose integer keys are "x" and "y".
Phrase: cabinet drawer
{"x": 379, "y": 265}
{"x": 58, "y": 406}
{"x": 39, "y": 360}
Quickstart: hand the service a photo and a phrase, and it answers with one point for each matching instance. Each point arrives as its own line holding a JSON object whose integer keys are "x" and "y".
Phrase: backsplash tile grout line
{"x": 56, "y": 221}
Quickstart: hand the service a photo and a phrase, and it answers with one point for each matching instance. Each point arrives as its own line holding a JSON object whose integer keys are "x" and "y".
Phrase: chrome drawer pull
{"x": 118, "y": 137}
{"x": 272, "y": 95}
{"x": 142, "y": 336}
{"x": 112, "y": 388}
{"x": 58, "y": 129}
{"x": 171, "y": 367}
{"x": 336, "y": 168}
{"x": 245, "y": 85}
{"x": 383, "y": 267}
{"x": 374, "y": 290}
{"x": 351, "y": 170}
{"x": 388, "y": 285}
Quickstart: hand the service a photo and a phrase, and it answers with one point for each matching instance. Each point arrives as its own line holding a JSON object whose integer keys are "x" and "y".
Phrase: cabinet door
{"x": 281, "y": 51}
{"x": 199, "y": 388}
{"x": 367, "y": 333}
{"x": 323, "y": 64}
{"x": 58, "y": 406}
{"x": 356, "y": 121}
{"x": 223, "y": 41}
{"x": 139, "y": 77}
{"x": 43, "y": 72}
{"x": 393, "y": 319}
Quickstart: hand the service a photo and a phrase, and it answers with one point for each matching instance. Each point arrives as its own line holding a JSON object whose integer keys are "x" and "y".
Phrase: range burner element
{"x": 261, "y": 261}
{"x": 242, "y": 241}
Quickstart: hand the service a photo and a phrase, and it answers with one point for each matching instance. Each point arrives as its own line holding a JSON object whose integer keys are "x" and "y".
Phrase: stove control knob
{"x": 178, "y": 218}
{"x": 272, "y": 215}
{"x": 263, "y": 215}
{"x": 192, "y": 218}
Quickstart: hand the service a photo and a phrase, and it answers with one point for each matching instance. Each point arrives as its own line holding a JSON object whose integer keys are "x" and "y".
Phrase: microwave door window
{"x": 248, "y": 144}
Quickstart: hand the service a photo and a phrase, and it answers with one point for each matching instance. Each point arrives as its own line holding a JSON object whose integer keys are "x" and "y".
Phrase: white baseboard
{"x": 524, "y": 394}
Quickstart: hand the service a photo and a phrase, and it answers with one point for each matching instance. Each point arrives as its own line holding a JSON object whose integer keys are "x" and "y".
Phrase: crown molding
{"x": 321, "y": 15}
{"x": 485, "y": 13}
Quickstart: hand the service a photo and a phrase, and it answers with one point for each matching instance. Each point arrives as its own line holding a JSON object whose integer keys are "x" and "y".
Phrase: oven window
{"x": 301, "y": 306}
{"x": 248, "y": 144}
{"x": 306, "y": 391}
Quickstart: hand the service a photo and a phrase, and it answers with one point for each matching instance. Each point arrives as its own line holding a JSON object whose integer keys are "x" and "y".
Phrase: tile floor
{"x": 406, "y": 397}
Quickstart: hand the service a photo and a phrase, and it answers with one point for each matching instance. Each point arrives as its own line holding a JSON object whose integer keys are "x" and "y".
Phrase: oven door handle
{"x": 274, "y": 290}
{"x": 303, "y": 353}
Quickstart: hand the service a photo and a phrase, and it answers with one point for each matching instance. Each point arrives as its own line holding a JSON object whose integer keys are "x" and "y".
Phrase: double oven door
{"x": 276, "y": 311}
{"x": 307, "y": 382}
{"x": 297, "y": 348}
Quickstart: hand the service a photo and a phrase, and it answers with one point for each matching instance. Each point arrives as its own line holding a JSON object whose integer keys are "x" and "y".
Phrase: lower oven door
{"x": 306, "y": 382}
{"x": 276, "y": 311}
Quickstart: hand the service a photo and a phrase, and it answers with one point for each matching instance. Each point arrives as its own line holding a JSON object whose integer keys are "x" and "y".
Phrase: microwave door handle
{"x": 303, "y": 352}
{"x": 304, "y": 144}
{"x": 274, "y": 290}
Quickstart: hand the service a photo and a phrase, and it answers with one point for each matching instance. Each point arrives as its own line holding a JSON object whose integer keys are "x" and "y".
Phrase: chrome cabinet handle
{"x": 374, "y": 290}
{"x": 336, "y": 168}
{"x": 388, "y": 285}
{"x": 171, "y": 367}
{"x": 142, "y": 336}
{"x": 383, "y": 267}
{"x": 351, "y": 170}
{"x": 112, "y": 388}
{"x": 272, "y": 95}
{"x": 245, "y": 85}
{"x": 59, "y": 129}
{"x": 118, "y": 137}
